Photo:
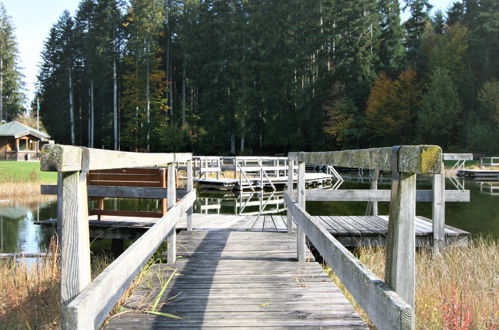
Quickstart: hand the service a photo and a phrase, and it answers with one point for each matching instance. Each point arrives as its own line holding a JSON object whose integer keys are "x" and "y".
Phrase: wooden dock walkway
{"x": 238, "y": 279}
{"x": 351, "y": 231}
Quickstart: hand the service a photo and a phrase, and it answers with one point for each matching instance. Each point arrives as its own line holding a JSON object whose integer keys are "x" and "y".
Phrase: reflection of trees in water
{"x": 16, "y": 226}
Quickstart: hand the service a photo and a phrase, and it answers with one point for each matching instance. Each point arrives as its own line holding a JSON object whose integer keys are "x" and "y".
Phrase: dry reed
{"x": 457, "y": 289}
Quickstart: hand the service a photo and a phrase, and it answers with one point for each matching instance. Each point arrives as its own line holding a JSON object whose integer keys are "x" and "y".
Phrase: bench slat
{"x": 123, "y": 213}
{"x": 123, "y": 177}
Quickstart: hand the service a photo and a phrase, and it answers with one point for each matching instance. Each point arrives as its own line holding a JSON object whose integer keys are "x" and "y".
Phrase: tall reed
{"x": 458, "y": 289}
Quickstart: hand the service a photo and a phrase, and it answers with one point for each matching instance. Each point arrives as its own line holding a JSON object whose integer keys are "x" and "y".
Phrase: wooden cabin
{"x": 20, "y": 142}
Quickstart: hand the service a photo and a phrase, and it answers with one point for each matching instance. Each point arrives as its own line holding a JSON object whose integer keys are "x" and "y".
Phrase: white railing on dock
{"x": 85, "y": 304}
{"x": 389, "y": 304}
{"x": 489, "y": 162}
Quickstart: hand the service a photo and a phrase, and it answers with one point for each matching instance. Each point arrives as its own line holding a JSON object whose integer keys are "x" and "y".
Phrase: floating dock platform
{"x": 477, "y": 174}
{"x": 351, "y": 231}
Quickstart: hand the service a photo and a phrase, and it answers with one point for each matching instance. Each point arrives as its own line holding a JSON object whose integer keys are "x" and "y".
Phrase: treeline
{"x": 267, "y": 76}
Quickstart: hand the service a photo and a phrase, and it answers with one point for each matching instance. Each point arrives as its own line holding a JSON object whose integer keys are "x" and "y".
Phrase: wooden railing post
{"x": 374, "y": 186}
{"x": 290, "y": 192}
{"x": 301, "y": 246}
{"x": 190, "y": 186}
{"x": 400, "y": 271}
{"x": 75, "y": 240}
{"x": 171, "y": 239}
{"x": 438, "y": 212}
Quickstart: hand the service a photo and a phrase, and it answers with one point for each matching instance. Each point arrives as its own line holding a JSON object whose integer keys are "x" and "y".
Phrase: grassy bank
{"x": 30, "y": 293}
{"x": 24, "y": 172}
{"x": 457, "y": 290}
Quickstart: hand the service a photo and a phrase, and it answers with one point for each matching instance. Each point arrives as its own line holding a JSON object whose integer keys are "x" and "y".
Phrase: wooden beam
{"x": 62, "y": 158}
{"x": 190, "y": 186}
{"x": 291, "y": 172}
{"x": 365, "y": 195}
{"x": 119, "y": 192}
{"x": 91, "y": 307}
{"x": 385, "y": 308}
{"x": 400, "y": 270}
{"x": 438, "y": 211}
{"x": 301, "y": 198}
{"x": 171, "y": 238}
{"x": 422, "y": 159}
{"x": 75, "y": 239}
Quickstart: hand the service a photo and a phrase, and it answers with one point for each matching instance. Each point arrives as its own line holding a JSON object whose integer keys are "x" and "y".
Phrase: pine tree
{"x": 11, "y": 85}
{"x": 391, "y": 48}
{"x": 439, "y": 118}
{"x": 415, "y": 27}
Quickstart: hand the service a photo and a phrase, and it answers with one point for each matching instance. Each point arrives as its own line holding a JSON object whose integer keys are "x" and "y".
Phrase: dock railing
{"x": 389, "y": 304}
{"x": 489, "y": 162}
{"x": 85, "y": 304}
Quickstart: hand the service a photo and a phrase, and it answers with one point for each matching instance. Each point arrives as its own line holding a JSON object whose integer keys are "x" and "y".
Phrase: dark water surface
{"x": 18, "y": 233}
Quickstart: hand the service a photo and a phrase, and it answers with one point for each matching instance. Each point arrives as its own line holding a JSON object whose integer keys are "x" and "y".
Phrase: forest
{"x": 268, "y": 76}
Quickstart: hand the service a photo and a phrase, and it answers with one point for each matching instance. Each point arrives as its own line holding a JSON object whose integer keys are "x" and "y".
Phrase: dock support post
{"x": 60, "y": 203}
{"x": 374, "y": 186}
{"x": 438, "y": 212}
{"x": 290, "y": 192}
{"x": 75, "y": 240}
{"x": 171, "y": 239}
{"x": 400, "y": 271}
{"x": 190, "y": 186}
{"x": 301, "y": 246}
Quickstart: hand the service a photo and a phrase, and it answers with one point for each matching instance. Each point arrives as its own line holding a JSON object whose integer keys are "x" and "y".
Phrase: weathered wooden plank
{"x": 385, "y": 308}
{"x": 75, "y": 240}
{"x": 301, "y": 200}
{"x": 366, "y": 195}
{"x": 400, "y": 270}
{"x": 123, "y": 177}
{"x": 125, "y": 213}
{"x": 119, "y": 192}
{"x": 438, "y": 211}
{"x": 90, "y": 308}
{"x": 190, "y": 187}
{"x": 62, "y": 158}
{"x": 412, "y": 159}
{"x": 171, "y": 237}
{"x": 291, "y": 173}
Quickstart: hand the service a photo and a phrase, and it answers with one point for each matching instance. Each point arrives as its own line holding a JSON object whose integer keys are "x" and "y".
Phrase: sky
{"x": 32, "y": 20}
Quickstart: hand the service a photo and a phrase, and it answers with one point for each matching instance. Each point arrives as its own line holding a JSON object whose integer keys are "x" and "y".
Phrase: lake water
{"x": 18, "y": 233}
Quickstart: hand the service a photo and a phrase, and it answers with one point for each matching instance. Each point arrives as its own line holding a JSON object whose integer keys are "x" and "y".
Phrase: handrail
{"x": 85, "y": 304}
{"x": 386, "y": 308}
{"x": 90, "y": 308}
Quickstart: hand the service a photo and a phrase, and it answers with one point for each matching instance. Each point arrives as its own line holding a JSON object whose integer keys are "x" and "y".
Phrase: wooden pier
{"x": 238, "y": 279}
{"x": 351, "y": 231}
{"x": 479, "y": 174}
{"x": 247, "y": 271}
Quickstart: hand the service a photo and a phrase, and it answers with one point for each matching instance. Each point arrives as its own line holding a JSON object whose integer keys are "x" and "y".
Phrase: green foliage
{"x": 12, "y": 97}
{"x": 440, "y": 113}
{"x": 247, "y": 77}
{"x": 488, "y": 96}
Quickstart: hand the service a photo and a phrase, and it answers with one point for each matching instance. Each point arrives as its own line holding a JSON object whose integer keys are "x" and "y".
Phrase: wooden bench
{"x": 117, "y": 183}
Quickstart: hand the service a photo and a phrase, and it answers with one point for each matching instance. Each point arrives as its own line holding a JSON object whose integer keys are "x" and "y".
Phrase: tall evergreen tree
{"x": 11, "y": 85}
{"x": 415, "y": 27}
{"x": 391, "y": 53}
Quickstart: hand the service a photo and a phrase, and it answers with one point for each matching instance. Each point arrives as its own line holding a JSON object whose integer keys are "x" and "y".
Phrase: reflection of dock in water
{"x": 244, "y": 203}
{"x": 489, "y": 188}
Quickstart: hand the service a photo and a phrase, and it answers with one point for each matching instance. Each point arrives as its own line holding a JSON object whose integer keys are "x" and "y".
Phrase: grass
{"x": 30, "y": 293}
{"x": 24, "y": 172}
{"x": 456, "y": 290}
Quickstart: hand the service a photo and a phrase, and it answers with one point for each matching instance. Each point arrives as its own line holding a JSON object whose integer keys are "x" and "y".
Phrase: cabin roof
{"x": 18, "y": 130}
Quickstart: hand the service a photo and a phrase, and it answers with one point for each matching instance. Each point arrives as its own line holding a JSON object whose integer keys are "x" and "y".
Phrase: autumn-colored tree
{"x": 392, "y": 107}
{"x": 340, "y": 121}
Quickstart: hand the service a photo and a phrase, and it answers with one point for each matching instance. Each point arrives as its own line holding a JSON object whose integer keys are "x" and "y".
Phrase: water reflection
{"x": 18, "y": 231}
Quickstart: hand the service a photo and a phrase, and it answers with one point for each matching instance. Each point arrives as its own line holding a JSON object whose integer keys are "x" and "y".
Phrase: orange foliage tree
{"x": 392, "y": 107}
